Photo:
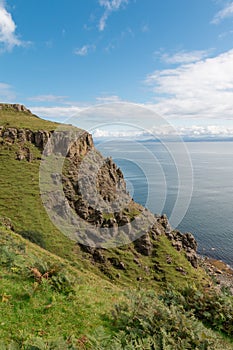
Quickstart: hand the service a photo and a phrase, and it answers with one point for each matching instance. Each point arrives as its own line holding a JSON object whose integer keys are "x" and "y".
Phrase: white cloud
{"x": 183, "y": 56}
{"x": 47, "y": 98}
{"x": 200, "y": 90}
{"x": 197, "y": 131}
{"x": 8, "y": 37}
{"x": 191, "y": 132}
{"x": 109, "y": 6}
{"x": 127, "y": 120}
{"x": 206, "y": 131}
{"x": 226, "y": 12}
{"x": 85, "y": 50}
{"x": 100, "y": 133}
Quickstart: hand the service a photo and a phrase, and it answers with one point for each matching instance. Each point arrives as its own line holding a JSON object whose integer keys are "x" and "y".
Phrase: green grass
{"x": 24, "y": 120}
{"x": 29, "y": 310}
{"x": 152, "y": 271}
{"x": 94, "y": 312}
{"x": 21, "y": 202}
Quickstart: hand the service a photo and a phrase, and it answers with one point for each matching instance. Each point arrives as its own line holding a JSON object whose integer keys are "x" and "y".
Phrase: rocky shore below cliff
{"x": 221, "y": 273}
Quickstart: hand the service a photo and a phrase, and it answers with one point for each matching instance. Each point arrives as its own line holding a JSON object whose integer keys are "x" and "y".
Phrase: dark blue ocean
{"x": 156, "y": 176}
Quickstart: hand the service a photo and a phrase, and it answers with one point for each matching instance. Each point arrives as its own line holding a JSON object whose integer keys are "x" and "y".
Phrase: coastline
{"x": 220, "y": 272}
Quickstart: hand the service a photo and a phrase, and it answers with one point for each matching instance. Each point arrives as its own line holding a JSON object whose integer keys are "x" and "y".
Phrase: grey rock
{"x": 144, "y": 245}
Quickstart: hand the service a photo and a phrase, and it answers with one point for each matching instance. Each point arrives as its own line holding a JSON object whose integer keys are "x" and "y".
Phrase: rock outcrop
{"x": 17, "y": 107}
{"x": 144, "y": 245}
{"x": 41, "y": 138}
{"x": 181, "y": 241}
{"x": 12, "y": 135}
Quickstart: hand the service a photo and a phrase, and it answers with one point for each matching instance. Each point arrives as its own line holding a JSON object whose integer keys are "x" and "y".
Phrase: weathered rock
{"x": 137, "y": 261}
{"x": 156, "y": 232}
{"x": 87, "y": 249}
{"x": 169, "y": 260}
{"x": 143, "y": 245}
{"x": 188, "y": 240}
{"x": 177, "y": 245}
{"x": 60, "y": 142}
{"x": 21, "y": 135}
{"x": 82, "y": 209}
{"x": 181, "y": 270}
{"x": 122, "y": 219}
{"x": 184, "y": 242}
{"x": 10, "y": 135}
{"x": 99, "y": 257}
{"x": 24, "y": 153}
{"x": 17, "y": 107}
{"x": 192, "y": 258}
{"x": 118, "y": 264}
{"x": 163, "y": 220}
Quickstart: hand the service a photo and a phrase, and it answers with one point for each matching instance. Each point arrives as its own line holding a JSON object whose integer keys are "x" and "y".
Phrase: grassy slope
{"x": 22, "y": 204}
{"x": 28, "y": 309}
{"x": 34, "y": 313}
{"x": 20, "y": 201}
{"x": 47, "y": 313}
{"x": 13, "y": 119}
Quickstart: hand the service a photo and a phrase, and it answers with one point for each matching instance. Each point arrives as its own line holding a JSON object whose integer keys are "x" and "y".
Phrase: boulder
{"x": 143, "y": 245}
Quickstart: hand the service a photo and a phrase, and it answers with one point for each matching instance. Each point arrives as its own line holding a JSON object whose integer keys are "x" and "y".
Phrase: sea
{"x": 190, "y": 182}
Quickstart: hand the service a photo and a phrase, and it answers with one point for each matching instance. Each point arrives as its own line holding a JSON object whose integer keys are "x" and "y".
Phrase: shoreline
{"x": 220, "y": 272}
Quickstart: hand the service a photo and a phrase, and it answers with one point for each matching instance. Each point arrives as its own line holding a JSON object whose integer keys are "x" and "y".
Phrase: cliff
{"x": 105, "y": 223}
{"x": 82, "y": 266}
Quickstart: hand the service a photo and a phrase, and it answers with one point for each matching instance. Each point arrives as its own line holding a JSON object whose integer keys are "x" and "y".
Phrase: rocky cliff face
{"x": 40, "y": 139}
{"x": 108, "y": 181}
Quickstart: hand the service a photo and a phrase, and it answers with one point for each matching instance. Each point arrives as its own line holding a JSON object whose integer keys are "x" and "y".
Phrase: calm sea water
{"x": 156, "y": 177}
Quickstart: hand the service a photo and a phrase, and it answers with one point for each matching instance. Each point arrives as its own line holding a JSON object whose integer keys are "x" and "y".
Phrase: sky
{"x": 174, "y": 57}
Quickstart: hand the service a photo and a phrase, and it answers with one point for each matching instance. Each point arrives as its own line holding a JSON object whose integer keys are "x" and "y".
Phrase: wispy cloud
{"x": 225, "y": 34}
{"x": 6, "y": 93}
{"x": 145, "y": 28}
{"x": 56, "y": 112}
{"x": 226, "y": 12}
{"x": 84, "y": 50}
{"x": 116, "y": 41}
{"x": 200, "y": 90}
{"x": 108, "y": 99}
{"x": 192, "y": 132}
{"x": 183, "y": 56}
{"x": 47, "y": 98}
{"x": 8, "y": 36}
{"x": 109, "y": 6}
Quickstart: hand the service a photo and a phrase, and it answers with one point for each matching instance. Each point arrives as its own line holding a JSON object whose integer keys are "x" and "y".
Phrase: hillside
{"x": 80, "y": 280}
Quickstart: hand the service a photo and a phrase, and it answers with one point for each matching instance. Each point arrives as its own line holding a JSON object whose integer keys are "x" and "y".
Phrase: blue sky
{"x": 172, "y": 56}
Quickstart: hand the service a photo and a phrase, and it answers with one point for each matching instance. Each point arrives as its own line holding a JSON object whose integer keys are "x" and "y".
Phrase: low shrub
{"x": 34, "y": 237}
{"x": 53, "y": 275}
{"x": 145, "y": 322}
{"x": 213, "y": 308}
